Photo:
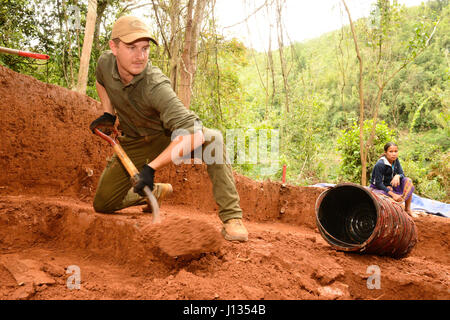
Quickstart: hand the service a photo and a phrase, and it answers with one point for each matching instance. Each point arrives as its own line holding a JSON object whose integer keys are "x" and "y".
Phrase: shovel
{"x": 24, "y": 53}
{"x": 132, "y": 171}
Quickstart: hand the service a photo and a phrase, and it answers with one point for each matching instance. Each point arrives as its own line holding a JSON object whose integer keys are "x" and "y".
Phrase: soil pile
{"x": 49, "y": 232}
{"x": 179, "y": 236}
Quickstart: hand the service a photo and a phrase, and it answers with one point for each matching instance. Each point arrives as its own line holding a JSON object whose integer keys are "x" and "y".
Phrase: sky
{"x": 303, "y": 19}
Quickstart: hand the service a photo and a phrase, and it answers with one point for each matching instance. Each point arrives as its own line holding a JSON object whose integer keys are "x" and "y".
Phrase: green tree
{"x": 348, "y": 147}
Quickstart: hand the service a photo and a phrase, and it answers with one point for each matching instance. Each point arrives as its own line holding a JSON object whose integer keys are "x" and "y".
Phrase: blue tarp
{"x": 417, "y": 203}
{"x": 430, "y": 206}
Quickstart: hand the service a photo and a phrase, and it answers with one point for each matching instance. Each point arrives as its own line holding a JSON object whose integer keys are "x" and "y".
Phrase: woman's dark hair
{"x": 388, "y": 145}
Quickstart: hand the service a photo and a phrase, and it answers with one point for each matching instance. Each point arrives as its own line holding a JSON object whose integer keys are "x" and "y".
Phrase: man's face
{"x": 132, "y": 58}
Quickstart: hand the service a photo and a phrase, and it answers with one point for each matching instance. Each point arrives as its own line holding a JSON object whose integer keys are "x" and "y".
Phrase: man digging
{"x": 149, "y": 112}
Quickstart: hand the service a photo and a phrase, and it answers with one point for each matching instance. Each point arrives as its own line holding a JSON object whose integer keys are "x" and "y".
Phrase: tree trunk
{"x": 101, "y": 7}
{"x": 342, "y": 68}
{"x": 361, "y": 102}
{"x": 281, "y": 51}
{"x": 166, "y": 13}
{"x": 174, "y": 43}
{"x": 194, "y": 18}
{"x": 375, "y": 116}
{"x": 87, "y": 46}
{"x": 61, "y": 16}
{"x": 271, "y": 68}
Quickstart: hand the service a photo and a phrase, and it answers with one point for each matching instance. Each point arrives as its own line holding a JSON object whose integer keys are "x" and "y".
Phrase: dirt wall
{"x": 47, "y": 149}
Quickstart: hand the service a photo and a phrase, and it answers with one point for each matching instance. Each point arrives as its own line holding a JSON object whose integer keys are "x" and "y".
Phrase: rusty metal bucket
{"x": 352, "y": 218}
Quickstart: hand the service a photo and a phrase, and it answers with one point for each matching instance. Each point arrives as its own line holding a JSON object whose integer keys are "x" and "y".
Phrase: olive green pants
{"x": 115, "y": 192}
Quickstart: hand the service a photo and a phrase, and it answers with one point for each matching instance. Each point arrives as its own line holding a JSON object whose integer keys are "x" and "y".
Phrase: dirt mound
{"x": 48, "y": 229}
{"x": 50, "y": 151}
{"x": 48, "y": 147}
{"x": 179, "y": 236}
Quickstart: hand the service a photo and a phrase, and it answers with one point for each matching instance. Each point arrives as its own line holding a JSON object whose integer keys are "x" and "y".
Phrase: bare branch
{"x": 166, "y": 46}
{"x": 250, "y": 15}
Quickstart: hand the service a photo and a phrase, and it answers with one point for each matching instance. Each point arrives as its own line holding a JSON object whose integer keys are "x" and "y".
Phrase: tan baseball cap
{"x": 129, "y": 29}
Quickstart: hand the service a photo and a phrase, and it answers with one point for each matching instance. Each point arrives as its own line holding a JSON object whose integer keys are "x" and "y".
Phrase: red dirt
{"x": 51, "y": 164}
{"x": 180, "y": 236}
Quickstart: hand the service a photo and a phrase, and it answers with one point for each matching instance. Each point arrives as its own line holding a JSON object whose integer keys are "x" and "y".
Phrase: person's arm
{"x": 108, "y": 119}
{"x": 395, "y": 196}
{"x": 104, "y": 98}
{"x": 400, "y": 170}
{"x": 398, "y": 174}
{"x": 175, "y": 116}
{"x": 378, "y": 173}
{"x": 178, "y": 148}
{"x": 102, "y": 64}
{"x": 389, "y": 189}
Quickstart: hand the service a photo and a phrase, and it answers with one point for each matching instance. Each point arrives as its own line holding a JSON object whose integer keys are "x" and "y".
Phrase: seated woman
{"x": 388, "y": 177}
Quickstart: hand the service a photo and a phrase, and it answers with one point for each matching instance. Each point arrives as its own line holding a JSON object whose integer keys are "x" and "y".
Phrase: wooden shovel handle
{"x": 133, "y": 172}
{"x": 126, "y": 161}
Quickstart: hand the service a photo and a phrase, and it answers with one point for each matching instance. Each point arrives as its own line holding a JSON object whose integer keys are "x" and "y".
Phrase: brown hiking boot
{"x": 160, "y": 191}
{"x": 234, "y": 230}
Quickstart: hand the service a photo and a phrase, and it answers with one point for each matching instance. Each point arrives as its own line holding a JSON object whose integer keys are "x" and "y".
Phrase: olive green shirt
{"x": 147, "y": 105}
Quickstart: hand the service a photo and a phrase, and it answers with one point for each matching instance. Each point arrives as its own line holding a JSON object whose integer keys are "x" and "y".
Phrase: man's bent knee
{"x": 101, "y": 206}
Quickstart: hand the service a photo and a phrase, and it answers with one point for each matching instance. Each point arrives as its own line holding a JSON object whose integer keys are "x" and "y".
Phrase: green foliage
{"x": 18, "y": 30}
{"x": 348, "y": 145}
{"x": 425, "y": 159}
{"x": 218, "y": 92}
{"x": 235, "y": 87}
{"x": 55, "y": 28}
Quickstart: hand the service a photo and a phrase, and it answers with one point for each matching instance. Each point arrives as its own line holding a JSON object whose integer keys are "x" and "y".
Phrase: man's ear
{"x": 113, "y": 46}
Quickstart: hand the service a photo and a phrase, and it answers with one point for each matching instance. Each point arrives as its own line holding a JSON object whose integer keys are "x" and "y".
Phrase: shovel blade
{"x": 151, "y": 199}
